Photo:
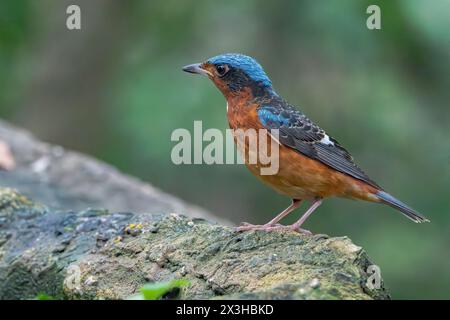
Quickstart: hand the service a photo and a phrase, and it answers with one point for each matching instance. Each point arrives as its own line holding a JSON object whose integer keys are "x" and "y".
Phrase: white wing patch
{"x": 326, "y": 140}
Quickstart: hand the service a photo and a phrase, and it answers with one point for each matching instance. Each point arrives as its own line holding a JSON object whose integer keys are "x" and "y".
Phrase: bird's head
{"x": 234, "y": 74}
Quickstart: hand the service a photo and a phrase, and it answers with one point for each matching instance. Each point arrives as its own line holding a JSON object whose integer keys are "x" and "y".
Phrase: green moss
{"x": 218, "y": 262}
{"x": 13, "y": 202}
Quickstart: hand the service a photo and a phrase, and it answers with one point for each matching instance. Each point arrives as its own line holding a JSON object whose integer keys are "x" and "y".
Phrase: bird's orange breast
{"x": 298, "y": 177}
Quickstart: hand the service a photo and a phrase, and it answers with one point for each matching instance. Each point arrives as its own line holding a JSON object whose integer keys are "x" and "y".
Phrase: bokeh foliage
{"x": 115, "y": 90}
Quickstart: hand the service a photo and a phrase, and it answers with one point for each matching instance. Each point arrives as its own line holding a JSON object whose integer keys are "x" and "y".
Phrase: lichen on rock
{"x": 96, "y": 254}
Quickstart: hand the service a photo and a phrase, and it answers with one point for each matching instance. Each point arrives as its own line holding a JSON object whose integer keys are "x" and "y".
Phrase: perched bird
{"x": 312, "y": 165}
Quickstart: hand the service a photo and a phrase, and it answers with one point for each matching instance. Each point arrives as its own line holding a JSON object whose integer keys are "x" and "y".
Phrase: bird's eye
{"x": 221, "y": 69}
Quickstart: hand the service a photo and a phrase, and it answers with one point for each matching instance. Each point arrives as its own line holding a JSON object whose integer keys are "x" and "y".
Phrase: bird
{"x": 313, "y": 165}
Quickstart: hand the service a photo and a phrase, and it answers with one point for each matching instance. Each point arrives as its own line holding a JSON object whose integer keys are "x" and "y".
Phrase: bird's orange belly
{"x": 300, "y": 177}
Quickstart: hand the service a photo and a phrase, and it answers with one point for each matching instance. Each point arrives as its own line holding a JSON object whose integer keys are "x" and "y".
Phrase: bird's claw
{"x": 300, "y": 230}
{"x": 245, "y": 226}
{"x": 268, "y": 227}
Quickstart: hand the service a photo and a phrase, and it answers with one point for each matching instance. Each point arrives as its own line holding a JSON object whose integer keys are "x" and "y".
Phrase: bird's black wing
{"x": 300, "y": 133}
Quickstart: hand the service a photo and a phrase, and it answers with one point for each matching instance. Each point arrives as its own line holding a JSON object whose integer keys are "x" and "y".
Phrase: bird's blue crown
{"x": 247, "y": 64}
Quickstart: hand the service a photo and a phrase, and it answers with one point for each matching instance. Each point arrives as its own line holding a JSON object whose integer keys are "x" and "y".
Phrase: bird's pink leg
{"x": 272, "y": 223}
{"x": 293, "y": 227}
{"x": 296, "y": 226}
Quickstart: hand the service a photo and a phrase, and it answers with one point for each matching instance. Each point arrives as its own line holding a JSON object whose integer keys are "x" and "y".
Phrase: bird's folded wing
{"x": 300, "y": 133}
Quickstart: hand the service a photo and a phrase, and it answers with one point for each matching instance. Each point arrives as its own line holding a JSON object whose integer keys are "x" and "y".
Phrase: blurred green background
{"x": 115, "y": 90}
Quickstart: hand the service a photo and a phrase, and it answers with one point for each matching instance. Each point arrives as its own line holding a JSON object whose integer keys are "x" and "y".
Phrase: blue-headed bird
{"x": 312, "y": 165}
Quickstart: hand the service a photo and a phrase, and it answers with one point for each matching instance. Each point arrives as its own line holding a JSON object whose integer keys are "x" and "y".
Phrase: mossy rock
{"x": 96, "y": 254}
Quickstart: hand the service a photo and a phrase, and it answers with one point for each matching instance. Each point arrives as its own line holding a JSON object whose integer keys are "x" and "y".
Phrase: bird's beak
{"x": 196, "y": 68}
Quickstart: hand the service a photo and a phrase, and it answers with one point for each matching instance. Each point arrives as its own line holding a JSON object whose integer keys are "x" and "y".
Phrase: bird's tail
{"x": 386, "y": 198}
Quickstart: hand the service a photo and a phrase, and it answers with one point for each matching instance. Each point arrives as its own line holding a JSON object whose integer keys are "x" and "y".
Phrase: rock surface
{"x": 96, "y": 254}
{"x": 65, "y": 179}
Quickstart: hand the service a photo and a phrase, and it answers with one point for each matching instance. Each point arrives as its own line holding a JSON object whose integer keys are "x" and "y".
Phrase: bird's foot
{"x": 265, "y": 227}
{"x": 292, "y": 227}
{"x": 272, "y": 227}
{"x": 300, "y": 230}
